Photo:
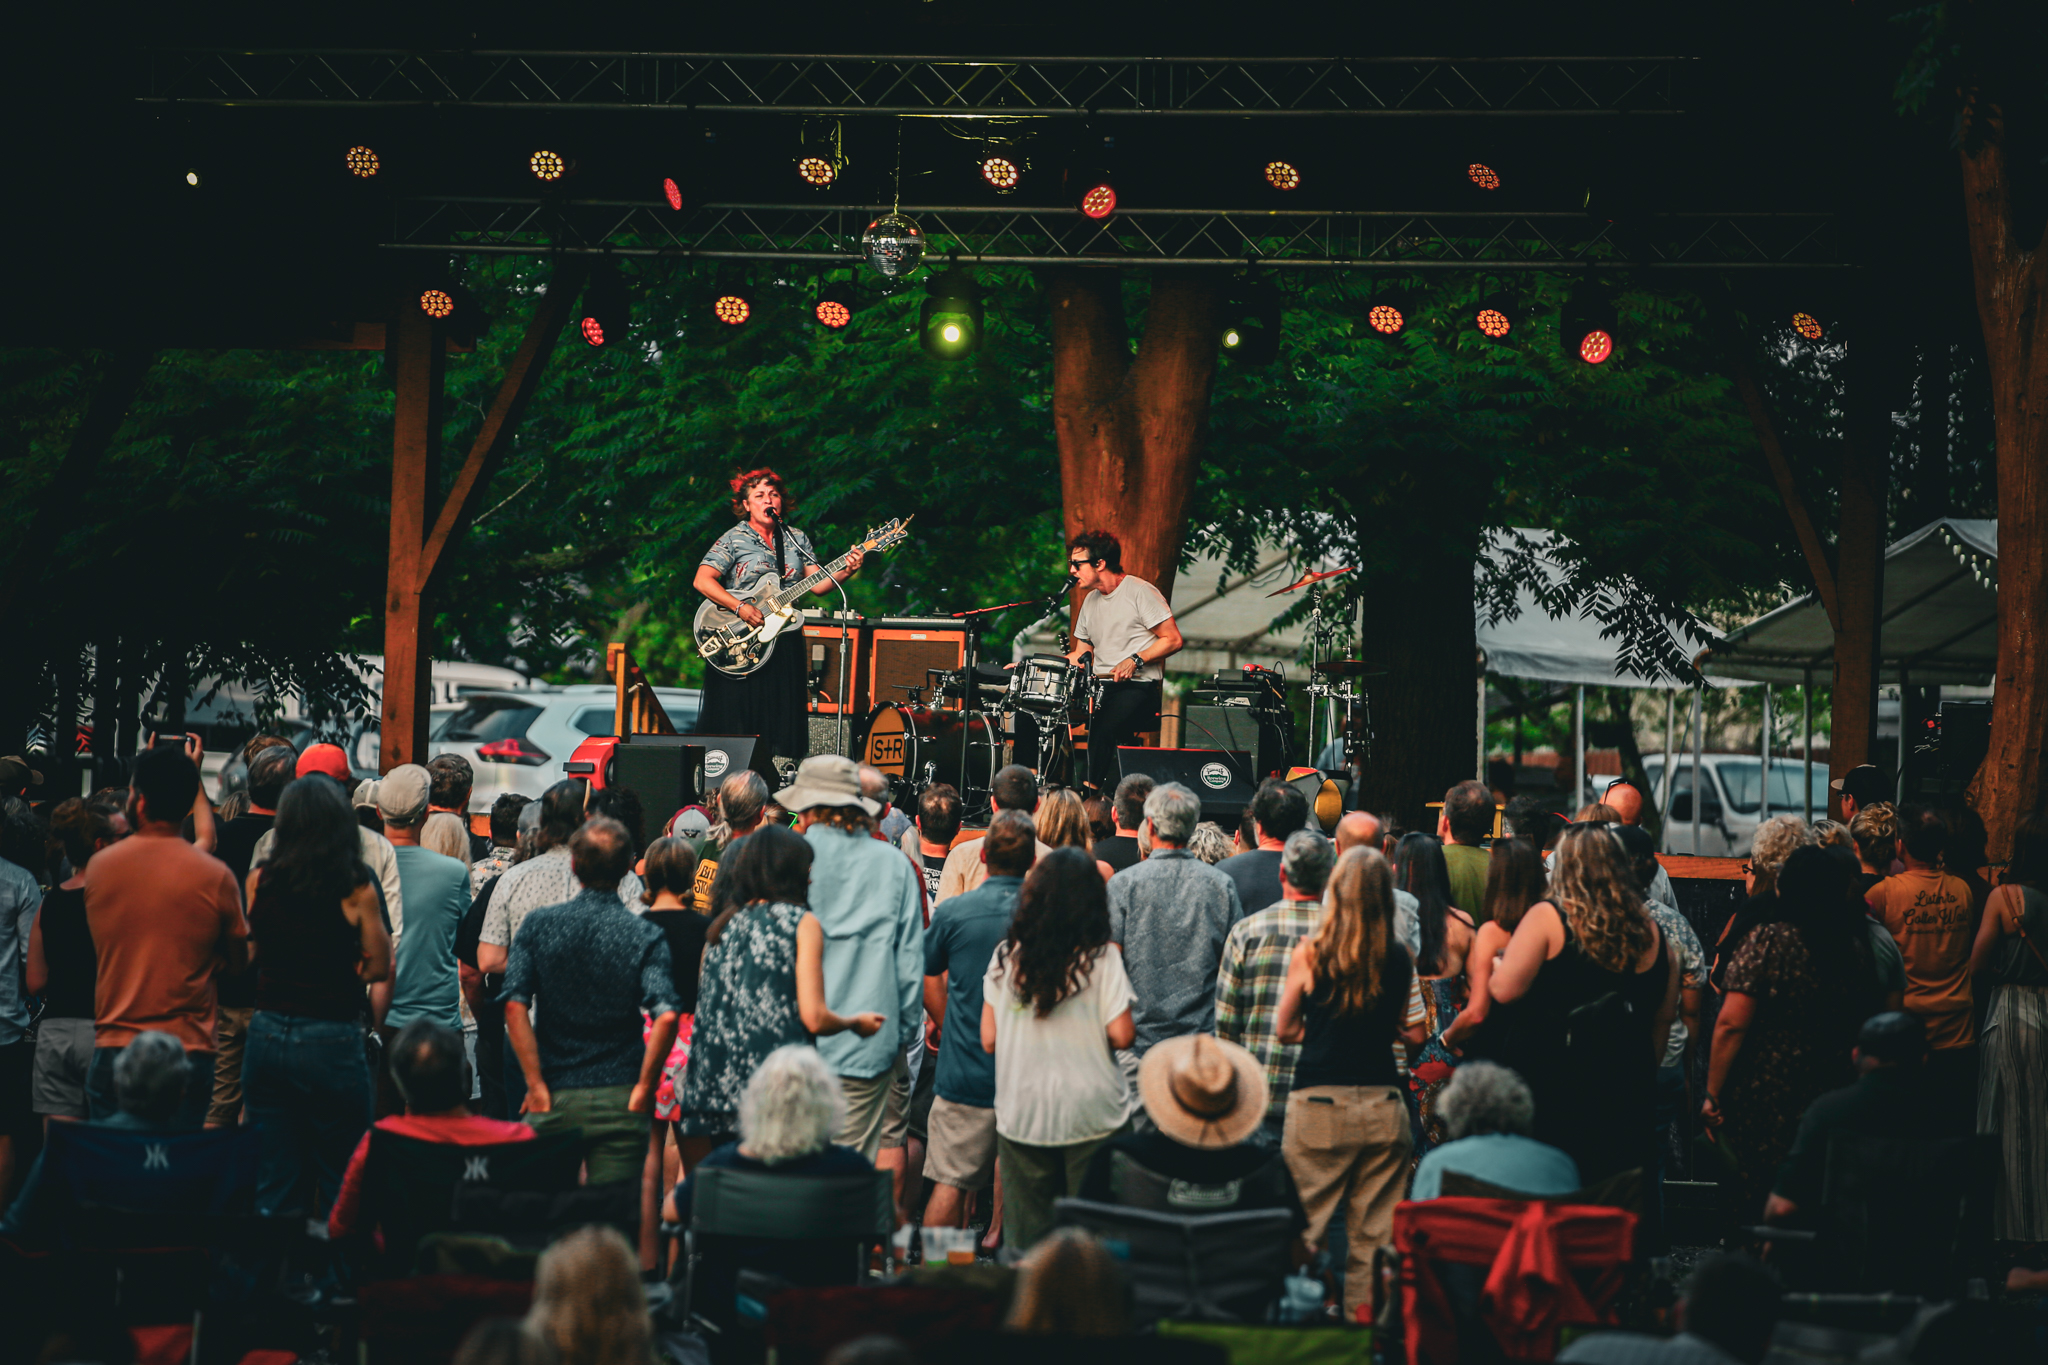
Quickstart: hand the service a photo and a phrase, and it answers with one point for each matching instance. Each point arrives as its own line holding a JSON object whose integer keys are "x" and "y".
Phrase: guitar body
{"x": 732, "y": 646}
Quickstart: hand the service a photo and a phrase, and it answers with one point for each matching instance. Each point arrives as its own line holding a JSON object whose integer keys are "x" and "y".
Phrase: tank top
{"x": 67, "y": 950}
{"x": 1356, "y": 1048}
{"x": 2014, "y": 963}
{"x": 306, "y": 955}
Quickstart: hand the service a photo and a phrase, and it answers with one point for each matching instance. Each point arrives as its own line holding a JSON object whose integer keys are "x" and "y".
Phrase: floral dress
{"x": 746, "y": 1008}
{"x": 1442, "y": 998}
{"x": 1795, "y": 1050}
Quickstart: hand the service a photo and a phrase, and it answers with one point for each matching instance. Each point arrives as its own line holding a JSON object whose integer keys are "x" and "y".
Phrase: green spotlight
{"x": 950, "y": 322}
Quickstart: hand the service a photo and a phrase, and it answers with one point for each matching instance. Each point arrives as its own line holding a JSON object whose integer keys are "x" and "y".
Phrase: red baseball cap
{"x": 327, "y": 759}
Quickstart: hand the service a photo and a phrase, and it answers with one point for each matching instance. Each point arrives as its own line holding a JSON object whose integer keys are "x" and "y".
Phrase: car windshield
{"x": 483, "y": 719}
{"x": 1742, "y": 779}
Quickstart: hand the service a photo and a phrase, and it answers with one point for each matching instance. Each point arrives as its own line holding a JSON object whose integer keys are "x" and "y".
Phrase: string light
{"x": 361, "y": 162}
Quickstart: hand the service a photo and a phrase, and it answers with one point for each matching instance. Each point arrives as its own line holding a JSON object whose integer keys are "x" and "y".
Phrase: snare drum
{"x": 1044, "y": 685}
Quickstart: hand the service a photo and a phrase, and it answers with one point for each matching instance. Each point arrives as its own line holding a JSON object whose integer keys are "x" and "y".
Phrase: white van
{"x": 1733, "y": 806}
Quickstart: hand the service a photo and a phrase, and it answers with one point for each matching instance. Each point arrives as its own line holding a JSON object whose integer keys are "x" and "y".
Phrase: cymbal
{"x": 1350, "y": 668}
{"x": 1310, "y": 578}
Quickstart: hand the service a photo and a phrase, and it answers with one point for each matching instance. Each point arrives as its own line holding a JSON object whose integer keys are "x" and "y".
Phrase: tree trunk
{"x": 1860, "y": 542}
{"x": 2012, "y": 304}
{"x": 1131, "y": 430}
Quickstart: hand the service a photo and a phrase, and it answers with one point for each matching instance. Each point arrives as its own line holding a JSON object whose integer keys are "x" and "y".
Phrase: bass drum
{"x": 920, "y": 746}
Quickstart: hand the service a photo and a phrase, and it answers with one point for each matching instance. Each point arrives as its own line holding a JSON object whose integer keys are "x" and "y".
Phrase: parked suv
{"x": 519, "y": 741}
{"x": 1733, "y": 805}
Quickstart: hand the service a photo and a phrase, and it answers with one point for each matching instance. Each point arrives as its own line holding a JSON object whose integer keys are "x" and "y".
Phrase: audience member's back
{"x": 1728, "y": 1313}
{"x": 1170, "y": 915}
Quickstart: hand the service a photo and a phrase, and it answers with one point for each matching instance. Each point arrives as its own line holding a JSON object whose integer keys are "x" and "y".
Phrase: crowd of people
{"x": 1106, "y": 999}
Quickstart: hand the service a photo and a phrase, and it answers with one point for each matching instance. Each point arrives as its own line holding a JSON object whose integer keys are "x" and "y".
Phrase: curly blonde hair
{"x": 1876, "y": 832}
{"x": 1593, "y": 887}
{"x": 1775, "y": 840}
{"x": 588, "y": 1302}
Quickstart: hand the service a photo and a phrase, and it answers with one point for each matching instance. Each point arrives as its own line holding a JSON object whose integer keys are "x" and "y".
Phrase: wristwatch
{"x": 1138, "y": 660}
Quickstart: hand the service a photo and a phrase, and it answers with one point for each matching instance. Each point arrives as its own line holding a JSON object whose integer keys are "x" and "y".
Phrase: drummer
{"x": 1126, "y": 624}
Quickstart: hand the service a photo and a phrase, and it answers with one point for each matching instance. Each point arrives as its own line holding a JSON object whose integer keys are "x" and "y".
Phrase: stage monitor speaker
{"x": 662, "y": 773}
{"x": 901, "y": 650}
{"x": 821, "y": 666}
{"x": 1238, "y": 727}
{"x": 725, "y": 755}
{"x": 1222, "y": 778}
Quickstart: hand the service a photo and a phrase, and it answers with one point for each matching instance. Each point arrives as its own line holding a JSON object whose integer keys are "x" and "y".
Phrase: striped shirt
{"x": 1248, "y": 988}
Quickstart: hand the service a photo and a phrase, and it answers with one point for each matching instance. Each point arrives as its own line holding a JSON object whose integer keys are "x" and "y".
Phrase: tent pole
{"x": 1664, "y": 777}
{"x": 1699, "y": 794}
{"x": 1481, "y": 775}
{"x": 1806, "y": 703}
{"x": 1764, "y": 744}
{"x": 1899, "y": 749}
{"x": 1578, "y": 746}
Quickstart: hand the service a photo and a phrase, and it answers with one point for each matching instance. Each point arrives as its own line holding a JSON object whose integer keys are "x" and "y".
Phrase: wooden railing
{"x": 637, "y": 710}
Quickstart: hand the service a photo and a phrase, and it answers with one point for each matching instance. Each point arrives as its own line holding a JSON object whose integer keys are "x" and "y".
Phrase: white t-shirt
{"x": 1057, "y": 1083}
{"x": 1120, "y": 624}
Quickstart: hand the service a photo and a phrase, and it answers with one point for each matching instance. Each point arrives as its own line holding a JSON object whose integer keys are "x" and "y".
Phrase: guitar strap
{"x": 780, "y": 571}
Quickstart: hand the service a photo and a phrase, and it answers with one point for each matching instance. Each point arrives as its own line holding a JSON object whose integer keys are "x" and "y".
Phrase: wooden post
{"x": 419, "y": 359}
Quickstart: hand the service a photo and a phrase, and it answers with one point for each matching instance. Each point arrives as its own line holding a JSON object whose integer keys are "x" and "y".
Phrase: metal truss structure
{"x": 1383, "y": 240}
{"x": 1322, "y": 87}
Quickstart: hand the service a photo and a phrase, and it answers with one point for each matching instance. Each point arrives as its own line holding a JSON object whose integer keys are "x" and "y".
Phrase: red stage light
{"x": 1492, "y": 322}
{"x": 1596, "y": 347}
{"x": 1099, "y": 201}
{"x": 593, "y": 332}
{"x": 834, "y": 314}
{"x": 1807, "y": 325}
{"x": 1385, "y": 319}
{"x": 672, "y": 192}
{"x": 437, "y": 303}
{"x": 1484, "y": 176}
{"x": 731, "y": 309}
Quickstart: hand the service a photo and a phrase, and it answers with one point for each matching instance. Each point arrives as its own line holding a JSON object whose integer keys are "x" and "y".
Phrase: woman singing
{"x": 770, "y": 701}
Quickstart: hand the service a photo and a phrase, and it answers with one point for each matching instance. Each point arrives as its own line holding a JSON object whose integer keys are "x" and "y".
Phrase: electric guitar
{"x": 732, "y": 646}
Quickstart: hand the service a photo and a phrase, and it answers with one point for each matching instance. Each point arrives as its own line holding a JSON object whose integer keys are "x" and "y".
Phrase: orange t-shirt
{"x": 161, "y": 912}
{"x": 1929, "y": 913}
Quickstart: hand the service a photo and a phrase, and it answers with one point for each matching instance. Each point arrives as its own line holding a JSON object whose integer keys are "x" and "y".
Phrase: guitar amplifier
{"x": 1255, "y": 730}
{"x": 901, "y": 648}
{"x": 821, "y": 666}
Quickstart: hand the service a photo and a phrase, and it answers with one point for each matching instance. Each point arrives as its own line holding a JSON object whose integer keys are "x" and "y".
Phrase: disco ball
{"x": 893, "y": 245}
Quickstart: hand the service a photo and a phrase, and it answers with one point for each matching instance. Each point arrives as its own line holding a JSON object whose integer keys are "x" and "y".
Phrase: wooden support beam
{"x": 420, "y": 539}
{"x": 419, "y": 362}
{"x": 1860, "y": 546}
{"x": 494, "y": 440}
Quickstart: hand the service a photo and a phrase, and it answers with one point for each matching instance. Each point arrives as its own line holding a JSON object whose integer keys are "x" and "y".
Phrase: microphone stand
{"x": 845, "y": 612}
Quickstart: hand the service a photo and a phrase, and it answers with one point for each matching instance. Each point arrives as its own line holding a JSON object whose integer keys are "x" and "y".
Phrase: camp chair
{"x": 410, "y": 1187}
{"x": 1897, "y": 1216}
{"x": 1214, "y": 1267}
{"x": 823, "y": 1225}
{"x": 1494, "y": 1279}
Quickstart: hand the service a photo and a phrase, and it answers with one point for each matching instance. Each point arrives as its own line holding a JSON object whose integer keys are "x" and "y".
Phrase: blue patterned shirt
{"x": 594, "y": 965}
{"x": 742, "y": 557}
{"x": 1170, "y": 914}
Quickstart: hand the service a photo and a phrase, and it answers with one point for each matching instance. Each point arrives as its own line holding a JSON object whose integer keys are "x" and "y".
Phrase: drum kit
{"x": 1340, "y": 704}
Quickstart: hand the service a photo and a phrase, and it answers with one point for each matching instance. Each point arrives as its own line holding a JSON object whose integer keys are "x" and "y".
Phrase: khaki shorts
{"x": 872, "y": 1110}
{"x": 961, "y": 1150}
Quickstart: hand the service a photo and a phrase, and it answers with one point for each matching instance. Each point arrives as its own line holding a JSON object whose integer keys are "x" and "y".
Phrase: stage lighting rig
{"x": 1251, "y": 326}
{"x": 672, "y": 192}
{"x": 1587, "y": 328}
{"x": 1282, "y": 175}
{"x": 607, "y": 311}
{"x": 1090, "y": 181}
{"x": 816, "y": 171}
{"x": 362, "y": 162}
{"x": 950, "y": 322}
{"x": 1495, "y": 317}
{"x": 1809, "y": 328}
{"x": 1391, "y": 312}
{"x": 437, "y": 303}
{"x": 1483, "y": 175}
{"x": 835, "y": 306}
{"x": 549, "y": 167}
{"x": 1001, "y": 172}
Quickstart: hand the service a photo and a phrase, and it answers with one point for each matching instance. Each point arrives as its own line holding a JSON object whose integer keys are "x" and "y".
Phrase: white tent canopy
{"x": 1939, "y": 622}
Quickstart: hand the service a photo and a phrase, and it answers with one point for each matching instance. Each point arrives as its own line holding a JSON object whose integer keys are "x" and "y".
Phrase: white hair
{"x": 1210, "y": 843}
{"x": 792, "y": 1105}
{"x": 1484, "y": 1097}
{"x": 1174, "y": 812}
{"x": 1775, "y": 840}
{"x": 445, "y": 833}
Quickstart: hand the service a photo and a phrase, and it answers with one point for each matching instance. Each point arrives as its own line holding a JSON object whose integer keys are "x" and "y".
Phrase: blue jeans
{"x": 309, "y": 1092}
{"x": 101, "y": 1103}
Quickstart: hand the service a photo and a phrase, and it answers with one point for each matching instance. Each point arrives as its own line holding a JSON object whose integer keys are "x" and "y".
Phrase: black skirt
{"x": 768, "y": 702}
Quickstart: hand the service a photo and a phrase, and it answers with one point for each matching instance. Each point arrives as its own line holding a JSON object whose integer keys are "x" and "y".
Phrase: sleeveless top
{"x": 2013, "y": 963}
{"x": 1572, "y": 996}
{"x": 1356, "y": 1048}
{"x": 67, "y": 949}
{"x": 306, "y": 955}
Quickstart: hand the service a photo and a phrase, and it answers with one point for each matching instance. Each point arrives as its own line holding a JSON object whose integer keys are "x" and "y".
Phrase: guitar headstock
{"x": 891, "y": 532}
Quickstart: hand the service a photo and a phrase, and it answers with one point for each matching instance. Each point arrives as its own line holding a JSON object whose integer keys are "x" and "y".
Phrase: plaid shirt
{"x": 1248, "y": 986}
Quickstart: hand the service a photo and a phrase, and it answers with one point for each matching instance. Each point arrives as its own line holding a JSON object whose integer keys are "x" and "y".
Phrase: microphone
{"x": 774, "y": 515}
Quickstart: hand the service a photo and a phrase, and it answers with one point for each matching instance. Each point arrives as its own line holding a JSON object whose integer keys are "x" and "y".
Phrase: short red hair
{"x": 741, "y": 483}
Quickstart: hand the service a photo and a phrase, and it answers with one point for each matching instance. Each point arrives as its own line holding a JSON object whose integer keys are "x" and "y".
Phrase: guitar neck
{"x": 803, "y": 585}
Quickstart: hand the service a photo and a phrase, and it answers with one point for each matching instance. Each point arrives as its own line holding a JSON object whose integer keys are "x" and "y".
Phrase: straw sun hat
{"x": 1203, "y": 1091}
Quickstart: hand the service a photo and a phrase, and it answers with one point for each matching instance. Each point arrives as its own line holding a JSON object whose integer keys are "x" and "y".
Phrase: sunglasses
{"x": 1081, "y": 563}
